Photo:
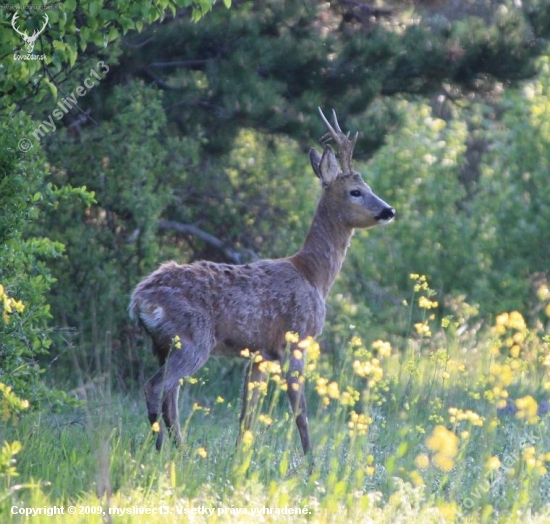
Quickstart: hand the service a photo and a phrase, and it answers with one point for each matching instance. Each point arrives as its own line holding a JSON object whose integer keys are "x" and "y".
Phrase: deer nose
{"x": 387, "y": 214}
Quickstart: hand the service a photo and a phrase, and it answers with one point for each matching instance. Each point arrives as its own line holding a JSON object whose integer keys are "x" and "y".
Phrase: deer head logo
{"x": 29, "y": 40}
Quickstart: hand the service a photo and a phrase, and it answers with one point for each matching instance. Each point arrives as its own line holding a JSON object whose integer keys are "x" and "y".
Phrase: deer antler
{"x": 37, "y": 32}
{"x": 15, "y": 17}
{"x": 345, "y": 145}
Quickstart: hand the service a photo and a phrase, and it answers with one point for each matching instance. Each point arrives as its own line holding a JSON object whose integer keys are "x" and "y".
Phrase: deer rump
{"x": 221, "y": 309}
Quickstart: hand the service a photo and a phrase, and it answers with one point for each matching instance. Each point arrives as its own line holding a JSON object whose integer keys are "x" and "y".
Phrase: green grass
{"x": 449, "y": 425}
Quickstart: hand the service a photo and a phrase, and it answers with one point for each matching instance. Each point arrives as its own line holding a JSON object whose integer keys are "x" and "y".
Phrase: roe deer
{"x": 221, "y": 309}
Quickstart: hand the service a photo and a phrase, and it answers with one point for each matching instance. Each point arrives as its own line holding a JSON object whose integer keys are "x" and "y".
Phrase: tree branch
{"x": 236, "y": 256}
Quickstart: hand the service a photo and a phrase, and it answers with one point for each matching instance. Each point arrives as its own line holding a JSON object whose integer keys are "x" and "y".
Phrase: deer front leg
{"x": 296, "y": 396}
{"x": 251, "y": 394}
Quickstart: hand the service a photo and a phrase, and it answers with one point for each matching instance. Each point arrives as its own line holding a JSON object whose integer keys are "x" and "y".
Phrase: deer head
{"x": 346, "y": 194}
{"x": 29, "y": 40}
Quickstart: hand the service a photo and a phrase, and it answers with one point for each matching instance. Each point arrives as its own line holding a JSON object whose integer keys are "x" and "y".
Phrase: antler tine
{"x": 336, "y": 124}
{"x": 332, "y": 132}
{"x": 345, "y": 145}
{"x": 45, "y": 21}
{"x": 14, "y": 18}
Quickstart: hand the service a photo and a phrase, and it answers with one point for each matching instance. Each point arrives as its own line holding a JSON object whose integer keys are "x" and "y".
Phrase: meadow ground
{"x": 448, "y": 424}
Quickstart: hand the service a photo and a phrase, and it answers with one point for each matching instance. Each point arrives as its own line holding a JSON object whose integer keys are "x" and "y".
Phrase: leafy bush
{"x": 25, "y": 334}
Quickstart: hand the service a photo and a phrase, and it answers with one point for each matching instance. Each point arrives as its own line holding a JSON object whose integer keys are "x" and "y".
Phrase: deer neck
{"x": 320, "y": 258}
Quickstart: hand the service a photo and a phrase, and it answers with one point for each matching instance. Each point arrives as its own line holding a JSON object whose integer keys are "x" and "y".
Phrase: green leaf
{"x": 58, "y": 45}
{"x": 402, "y": 449}
{"x": 95, "y": 8}
{"x": 53, "y": 87}
{"x": 113, "y": 34}
{"x": 227, "y": 3}
{"x": 84, "y": 37}
{"x": 73, "y": 54}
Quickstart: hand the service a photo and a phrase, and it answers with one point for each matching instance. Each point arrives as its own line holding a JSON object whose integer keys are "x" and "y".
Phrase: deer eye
{"x": 355, "y": 193}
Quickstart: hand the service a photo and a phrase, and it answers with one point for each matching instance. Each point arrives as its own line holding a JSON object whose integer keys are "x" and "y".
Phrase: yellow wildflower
{"x": 445, "y": 445}
{"x": 422, "y": 461}
{"x": 423, "y": 329}
{"x": 359, "y": 424}
{"x": 426, "y": 303}
{"x": 416, "y": 478}
{"x": 291, "y": 337}
{"x": 382, "y": 347}
{"x": 321, "y": 386}
{"x": 248, "y": 437}
{"x": 527, "y": 409}
{"x": 543, "y": 292}
{"x": 493, "y": 463}
{"x": 202, "y": 453}
{"x": 265, "y": 419}
{"x": 332, "y": 390}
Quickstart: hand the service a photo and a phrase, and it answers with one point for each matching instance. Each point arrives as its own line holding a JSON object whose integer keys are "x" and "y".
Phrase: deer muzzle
{"x": 386, "y": 215}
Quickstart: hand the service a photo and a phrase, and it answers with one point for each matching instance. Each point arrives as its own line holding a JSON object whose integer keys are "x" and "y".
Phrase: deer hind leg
{"x": 161, "y": 390}
{"x": 251, "y": 394}
{"x": 170, "y": 414}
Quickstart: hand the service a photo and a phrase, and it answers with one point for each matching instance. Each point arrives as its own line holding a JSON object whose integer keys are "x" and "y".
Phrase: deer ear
{"x": 315, "y": 159}
{"x": 329, "y": 168}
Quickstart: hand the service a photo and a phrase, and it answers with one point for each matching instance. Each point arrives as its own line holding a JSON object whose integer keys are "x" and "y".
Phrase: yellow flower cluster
{"x": 254, "y": 356}
{"x": 527, "y": 409}
{"x": 358, "y": 423}
{"x": 291, "y": 338}
{"x": 533, "y": 462}
{"x": 500, "y": 376}
{"x": 10, "y": 403}
{"x": 423, "y": 329}
{"x": 382, "y": 347}
{"x": 543, "y": 294}
{"x": 349, "y": 397}
{"x": 9, "y": 305}
{"x": 260, "y": 386}
{"x": 197, "y": 407}
{"x": 331, "y": 390}
{"x": 369, "y": 369}
{"x": 421, "y": 282}
{"x": 512, "y": 331}
{"x": 270, "y": 367}
{"x": 459, "y": 415}
{"x": 512, "y": 320}
{"x": 444, "y": 444}
{"x": 426, "y": 303}
{"x": 312, "y": 349}
{"x": 370, "y": 469}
